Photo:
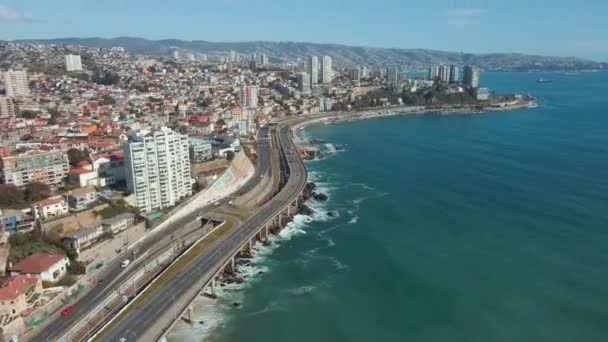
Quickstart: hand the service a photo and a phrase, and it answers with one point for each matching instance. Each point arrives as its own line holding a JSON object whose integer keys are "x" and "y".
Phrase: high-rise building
{"x": 444, "y": 73}
{"x": 249, "y": 96}
{"x": 364, "y": 72}
{"x": 326, "y": 71}
{"x": 433, "y": 72}
{"x": 313, "y": 70}
{"x": 203, "y": 57}
{"x": 304, "y": 83}
{"x": 73, "y": 63}
{"x": 471, "y": 76}
{"x": 264, "y": 59}
{"x": 355, "y": 75}
{"x": 393, "y": 76}
{"x": 16, "y": 83}
{"x": 157, "y": 168}
{"x": 35, "y": 166}
{"x": 175, "y": 54}
{"x": 7, "y": 107}
{"x": 254, "y": 57}
{"x": 454, "y": 74}
{"x": 233, "y": 56}
{"x": 190, "y": 57}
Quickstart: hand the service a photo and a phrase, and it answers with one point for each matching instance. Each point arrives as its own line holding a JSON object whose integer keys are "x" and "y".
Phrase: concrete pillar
{"x": 288, "y": 210}
{"x": 212, "y": 286}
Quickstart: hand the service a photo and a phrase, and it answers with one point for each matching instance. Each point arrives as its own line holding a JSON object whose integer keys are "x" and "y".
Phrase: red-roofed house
{"x": 50, "y": 207}
{"x": 18, "y": 293}
{"x": 48, "y": 267}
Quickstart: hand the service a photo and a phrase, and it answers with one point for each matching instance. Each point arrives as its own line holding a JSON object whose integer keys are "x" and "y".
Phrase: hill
{"x": 342, "y": 54}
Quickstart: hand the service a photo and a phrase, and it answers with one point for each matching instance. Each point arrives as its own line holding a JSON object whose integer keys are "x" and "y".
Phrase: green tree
{"x": 37, "y": 191}
{"x": 230, "y": 155}
{"x": 11, "y": 196}
{"x": 76, "y": 268}
{"x": 75, "y": 156}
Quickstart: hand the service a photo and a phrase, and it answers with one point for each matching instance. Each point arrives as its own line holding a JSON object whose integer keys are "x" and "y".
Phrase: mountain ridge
{"x": 345, "y": 55}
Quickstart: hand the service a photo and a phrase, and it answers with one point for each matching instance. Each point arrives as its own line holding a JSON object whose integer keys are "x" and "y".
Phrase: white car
{"x": 216, "y": 203}
{"x": 125, "y": 263}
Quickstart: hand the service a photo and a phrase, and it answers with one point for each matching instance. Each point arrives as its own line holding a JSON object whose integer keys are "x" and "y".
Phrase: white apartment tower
{"x": 313, "y": 70}
{"x": 73, "y": 63}
{"x": 249, "y": 96}
{"x": 304, "y": 83}
{"x": 471, "y": 76}
{"x": 7, "y": 107}
{"x": 16, "y": 83}
{"x": 157, "y": 168}
{"x": 326, "y": 72}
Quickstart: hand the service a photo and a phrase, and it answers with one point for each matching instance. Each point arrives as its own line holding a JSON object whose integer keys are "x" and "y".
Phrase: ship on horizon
{"x": 543, "y": 80}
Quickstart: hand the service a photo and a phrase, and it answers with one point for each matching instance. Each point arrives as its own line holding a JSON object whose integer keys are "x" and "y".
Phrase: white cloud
{"x": 8, "y": 15}
{"x": 464, "y": 16}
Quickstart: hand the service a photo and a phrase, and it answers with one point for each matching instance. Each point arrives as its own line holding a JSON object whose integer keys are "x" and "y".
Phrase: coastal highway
{"x": 113, "y": 276}
{"x": 140, "y": 319}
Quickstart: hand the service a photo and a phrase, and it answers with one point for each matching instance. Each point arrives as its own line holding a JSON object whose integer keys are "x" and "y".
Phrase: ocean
{"x": 482, "y": 227}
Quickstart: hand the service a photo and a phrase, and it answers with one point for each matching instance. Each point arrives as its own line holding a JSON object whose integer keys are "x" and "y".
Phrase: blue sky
{"x": 548, "y": 27}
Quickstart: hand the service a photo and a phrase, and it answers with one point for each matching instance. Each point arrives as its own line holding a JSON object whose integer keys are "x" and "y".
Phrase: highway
{"x": 114, "y": 276}
{"x": 141, "y": 319}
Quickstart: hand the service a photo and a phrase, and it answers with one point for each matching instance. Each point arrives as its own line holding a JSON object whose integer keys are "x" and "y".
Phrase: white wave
{"x": 339, "y": 265}
{"x": 330, "y": 148}
{"x": 353, "y": 220}
{"x": 302, "y": 290}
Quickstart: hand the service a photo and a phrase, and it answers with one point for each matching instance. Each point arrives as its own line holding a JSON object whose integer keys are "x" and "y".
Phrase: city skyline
{"x": 460, "y": 26}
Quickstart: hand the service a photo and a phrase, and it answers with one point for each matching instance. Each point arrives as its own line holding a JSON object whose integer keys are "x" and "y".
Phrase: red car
{"x": 67, "y": 310}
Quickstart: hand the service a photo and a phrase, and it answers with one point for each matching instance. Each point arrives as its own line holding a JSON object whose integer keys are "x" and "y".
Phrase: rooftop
{"x": 14, "y": 286}
{"x": 37, "y": 263}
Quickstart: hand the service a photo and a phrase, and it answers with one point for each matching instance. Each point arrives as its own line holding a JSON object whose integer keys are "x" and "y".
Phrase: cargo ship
{"x": 542, "y": 80}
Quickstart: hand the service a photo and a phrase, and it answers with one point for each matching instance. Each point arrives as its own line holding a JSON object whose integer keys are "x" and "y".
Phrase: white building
{"x": 304, "y": 83}
{"x": 7, "y": 107}
{"x": 393, "y": 76}
{"x": 433, "y": 72}
{"x": 471, "y": 76}
{"x": 157, "y": 168}
{"x": 50, "y": 207}
{"x": 326, "y": 72}
{"x": 249, "y": 96}
{"x": 73, "y": 63}
{"x": 264, "y": 59}
{"x": 444, "y": 73}
{"x": 16, "y": 83}
{"x": 48, "y": 267}
{"x": 454, "y": 74}
{"x": 313, "y": 70}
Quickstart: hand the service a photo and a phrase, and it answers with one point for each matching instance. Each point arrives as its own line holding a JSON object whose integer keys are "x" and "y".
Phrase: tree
{"x": 37, "y": 191}
{"x": 229, "y": 155}
{"x": 75, "y": 156}
{"x": 106, "y": 78}
{"x": 76, "y": 268}
{"x": 220, "y": 122}
{"x": 11, "y": 196}
{"x": 29, "y": 114}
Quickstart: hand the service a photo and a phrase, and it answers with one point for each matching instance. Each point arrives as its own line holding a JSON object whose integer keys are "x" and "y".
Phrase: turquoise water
{"x": 490, "y": 227}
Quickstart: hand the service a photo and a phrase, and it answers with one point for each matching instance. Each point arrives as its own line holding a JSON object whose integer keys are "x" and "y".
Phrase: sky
{"x": 547, "y": 27}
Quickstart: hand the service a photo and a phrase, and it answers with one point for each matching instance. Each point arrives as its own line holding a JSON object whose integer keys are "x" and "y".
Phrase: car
{"x": 125, "y": 263}
{"x": 230, "y": 203}
{"x": 67, "y": 310}
{"x": 216, "y": 203}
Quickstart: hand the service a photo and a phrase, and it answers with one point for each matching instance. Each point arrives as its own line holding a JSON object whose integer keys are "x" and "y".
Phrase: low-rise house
{"x": 51, "y": 207}
{"x": 48, "y": 267}
{"x": 15, "y": 221}
{"x": 18, "y": 293}
{"x": 118, "y": 223}
{"x": 80, "y": 199}
{"x": 5, "y": 248}
{"x": 83, "y": 237}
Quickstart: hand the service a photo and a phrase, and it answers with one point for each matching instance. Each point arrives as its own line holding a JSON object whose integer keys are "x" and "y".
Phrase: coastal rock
{"x": 305, "y": 210}
{"x": 201, "y": 322}
{"x": 236, "y": 304}
{"x": 319, "y": 196}
{"x": 308, "y": 190}
{"x": 332, "y": 214}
